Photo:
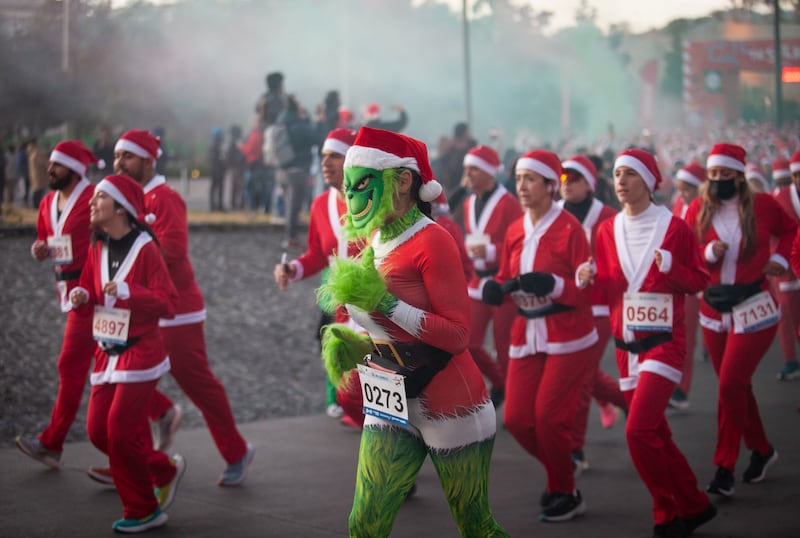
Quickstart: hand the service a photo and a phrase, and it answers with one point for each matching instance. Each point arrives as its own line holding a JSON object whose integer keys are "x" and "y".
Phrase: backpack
{"x": 278, "y": 149}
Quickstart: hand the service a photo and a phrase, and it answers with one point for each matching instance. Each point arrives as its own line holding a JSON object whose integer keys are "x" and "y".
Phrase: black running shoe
{"x": 692, "y": 522}
{"x": 757, "y": 470}
{"x": 563, "y": 507}
{"x": 674, "y": 529}
{"x": 722, "y": 484}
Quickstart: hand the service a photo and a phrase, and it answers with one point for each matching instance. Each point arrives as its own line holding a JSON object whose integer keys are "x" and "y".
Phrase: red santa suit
{"x": 787, "y": 286}
{"x": 325, "y": 240}
{"x": 123, "y": 380}
{"x": 600, "y": 385}
{"x": 626, "y": 264}
{"x": 183, "y": 333}
{"x": 71, "y": 226}
{"x": 551, "y": 354}
{"x": 691, "y": 312}
{"x": 736, "y": 354}
{"x": 499, "y": 211}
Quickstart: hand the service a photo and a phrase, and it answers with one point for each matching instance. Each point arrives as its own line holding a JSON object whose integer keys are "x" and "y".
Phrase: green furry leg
{"x": 464, "y": 474}
{"x": 330, "y": 392}
{"x": 389, "y": 460}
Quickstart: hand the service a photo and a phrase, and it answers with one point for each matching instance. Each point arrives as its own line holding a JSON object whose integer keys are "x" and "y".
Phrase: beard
{"x": 60, "y": 183}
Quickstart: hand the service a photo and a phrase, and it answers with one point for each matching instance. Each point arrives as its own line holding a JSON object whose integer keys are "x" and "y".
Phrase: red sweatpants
{"x": 117, "y": 425}
{"x": 599, "y": 385}
{"x": 660, "y": 463}
{"x": 502, "y": 318}
{"x": 186, "y": 345}
{"x": 542, "y": 394}
{"x": 74, "y": 362}
{"x": 735, "y": 358}
{"x": 349, "y": 397}
{"x": 692, "y": 309}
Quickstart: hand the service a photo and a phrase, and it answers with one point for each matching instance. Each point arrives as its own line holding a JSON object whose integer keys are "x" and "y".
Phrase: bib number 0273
{"x": 384, "y": 395}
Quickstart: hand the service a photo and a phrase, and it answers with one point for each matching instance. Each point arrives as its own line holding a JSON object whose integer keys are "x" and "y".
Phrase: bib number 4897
{"x": 110, "y": 325}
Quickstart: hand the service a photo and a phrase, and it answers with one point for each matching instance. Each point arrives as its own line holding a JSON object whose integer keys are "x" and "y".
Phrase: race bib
{"x": 110, "y": 325}
{"x": 650, "y": 312}
{"x": 755, "y": 313}
{"x": 60, "y": 249}
{"x": 530, "y": 304}
{"x": 384, "y": 395}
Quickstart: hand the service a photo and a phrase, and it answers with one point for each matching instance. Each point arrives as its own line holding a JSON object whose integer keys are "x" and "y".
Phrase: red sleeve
{"x": 315, "y": 258}
{"x": 795, "y": 260}
{"x": 578, "y": 252}
{"x": 782, "y": 227}
{"x": 688, "y": 273}
{"x": 171, "y": 225}
{"x": 155, "y": 295}
{"x": 455, "y": 231}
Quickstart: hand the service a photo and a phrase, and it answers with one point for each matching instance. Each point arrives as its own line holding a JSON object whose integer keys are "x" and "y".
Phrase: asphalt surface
{"x": 261, "y": 345}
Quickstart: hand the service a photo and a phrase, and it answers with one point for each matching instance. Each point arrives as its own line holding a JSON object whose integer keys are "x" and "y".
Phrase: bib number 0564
{"x": 384, "y": 395}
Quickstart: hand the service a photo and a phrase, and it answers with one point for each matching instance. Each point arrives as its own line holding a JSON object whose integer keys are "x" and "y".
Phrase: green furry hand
{"x": 342, "y": 350}
{"x": 357, "y": 284}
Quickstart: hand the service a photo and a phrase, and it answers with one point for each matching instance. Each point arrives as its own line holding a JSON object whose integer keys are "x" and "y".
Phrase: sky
{"x": 640, "y": 15}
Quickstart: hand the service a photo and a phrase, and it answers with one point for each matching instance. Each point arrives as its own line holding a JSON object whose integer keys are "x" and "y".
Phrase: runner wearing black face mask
{"x": 738, "y": 313}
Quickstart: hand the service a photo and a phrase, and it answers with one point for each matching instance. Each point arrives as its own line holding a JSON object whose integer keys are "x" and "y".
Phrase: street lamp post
{"x": 467, "y": 86}
{"x": 778, "y": 66}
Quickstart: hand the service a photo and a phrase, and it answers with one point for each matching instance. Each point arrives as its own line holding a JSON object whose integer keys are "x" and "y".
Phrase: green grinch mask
{"x": 369, "y": 195}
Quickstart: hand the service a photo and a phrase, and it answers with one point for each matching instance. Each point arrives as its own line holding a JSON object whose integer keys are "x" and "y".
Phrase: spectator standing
{"x": 235, "y": 163}
{"x": 293, "y": 177}
{"x": 12, "y": 179}
{"x": 24, "y": 172}
{"x": 255, "y": 173}
{"x": 37, "y": 164}
{"x": 372, "y": 118}
{"x": 216, "y": 170}
{"x": 103, "y": 148}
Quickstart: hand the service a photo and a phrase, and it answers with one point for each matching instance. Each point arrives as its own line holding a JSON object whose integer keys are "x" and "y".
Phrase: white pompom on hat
{"x": 381, "y": 150}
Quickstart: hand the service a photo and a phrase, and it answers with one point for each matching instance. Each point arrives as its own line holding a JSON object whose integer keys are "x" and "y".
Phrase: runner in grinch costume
{"x": 408, "y": 291}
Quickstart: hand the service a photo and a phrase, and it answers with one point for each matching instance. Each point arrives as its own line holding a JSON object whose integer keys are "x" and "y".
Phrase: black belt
{"x": 483, "y": 273}
{"x": 67, "y": 275}
{"x": 554, "y": 308}
{"x": 118, "y": 349}
{"x": 646, "y": 344}
{"x": 418, "y": 363}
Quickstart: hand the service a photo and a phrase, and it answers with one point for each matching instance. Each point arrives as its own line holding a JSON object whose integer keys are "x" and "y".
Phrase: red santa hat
{"x": 727, "y": 155}
{"x": 74, "y": 155}
{"x": 693, "y": 174}
{"x": 794, "y": 164}
{"x": 644, "y": 163}
{"x": 781, "y": 169}
{"x": 380, "y": 150}
{"x": 141, "y": 143}
{"x": 339, "y": 141}
{"x": 126, "y": 192}
{"x": 754, "y": 171}
{"x": 585, "y": 167}
{"x": 485, "y": 158}
{"x": 372, "y": 111}
{"x": 543, "y": 162}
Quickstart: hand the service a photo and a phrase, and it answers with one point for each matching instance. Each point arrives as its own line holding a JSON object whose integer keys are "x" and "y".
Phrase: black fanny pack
{"x": 645, "y": 344}
{"x": 483, "y": 273}
{"x": 723, "y": 297}
{"x": 117, "y": 349}
{"x": 417, "y": 363}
